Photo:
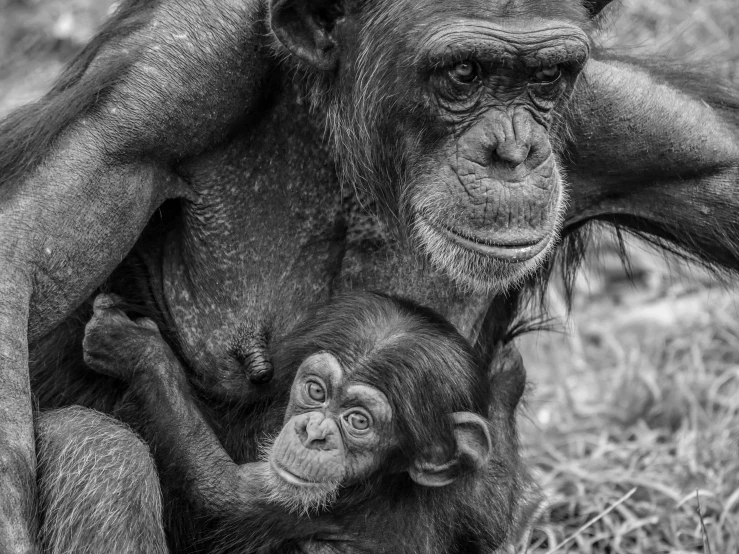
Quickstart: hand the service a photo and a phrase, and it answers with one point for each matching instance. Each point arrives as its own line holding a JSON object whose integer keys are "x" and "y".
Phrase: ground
{"x": 638, "y": 390}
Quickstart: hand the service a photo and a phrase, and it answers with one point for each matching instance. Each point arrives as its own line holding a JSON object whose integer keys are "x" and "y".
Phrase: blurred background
{"x": 636, "y": 388}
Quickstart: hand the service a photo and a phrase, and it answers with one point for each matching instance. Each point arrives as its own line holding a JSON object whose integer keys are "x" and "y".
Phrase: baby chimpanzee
{"x": 392, "y": 438}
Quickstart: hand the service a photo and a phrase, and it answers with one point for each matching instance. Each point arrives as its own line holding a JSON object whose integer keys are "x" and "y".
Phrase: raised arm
{"x": 83, "y": 169}
{"x": 234, "y": 495}
{"x": 657, "y": 150}
{"x": 135, "y": 351}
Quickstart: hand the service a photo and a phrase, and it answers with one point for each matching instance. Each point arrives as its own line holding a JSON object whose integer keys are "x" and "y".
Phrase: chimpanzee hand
{"x": 117, "y": 346}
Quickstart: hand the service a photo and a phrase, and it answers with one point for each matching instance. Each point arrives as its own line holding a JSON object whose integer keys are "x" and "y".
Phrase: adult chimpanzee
{"x": 375, "y": 403}
{"x": 450, "y": 116}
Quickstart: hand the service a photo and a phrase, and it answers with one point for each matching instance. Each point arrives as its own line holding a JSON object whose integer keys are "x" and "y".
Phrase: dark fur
{"x": 427, "y": 370}
{"x": 402, "y": 349}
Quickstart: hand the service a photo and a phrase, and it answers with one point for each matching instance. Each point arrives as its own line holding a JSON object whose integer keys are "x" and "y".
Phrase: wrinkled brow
{"x": 533, "y": 46}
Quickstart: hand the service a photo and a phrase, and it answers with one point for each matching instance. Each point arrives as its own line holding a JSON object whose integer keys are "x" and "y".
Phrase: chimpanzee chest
{"x": 375, "y": 258}
{"x": 274, "y": 232}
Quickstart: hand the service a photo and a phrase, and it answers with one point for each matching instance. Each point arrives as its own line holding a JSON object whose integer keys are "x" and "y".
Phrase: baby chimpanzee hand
{"x": 117, "y": 346}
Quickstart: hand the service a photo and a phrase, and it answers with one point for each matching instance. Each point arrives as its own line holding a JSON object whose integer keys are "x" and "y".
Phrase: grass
{"x": 641, "y": 395}
{"x": 626, "y": 401}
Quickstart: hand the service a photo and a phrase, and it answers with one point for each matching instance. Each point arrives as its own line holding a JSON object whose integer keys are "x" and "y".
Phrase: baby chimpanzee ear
{"x": 473, "y": 451}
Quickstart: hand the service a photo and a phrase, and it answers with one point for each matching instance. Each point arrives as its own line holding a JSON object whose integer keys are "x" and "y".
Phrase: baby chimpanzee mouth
{"x": 289, "y": 477}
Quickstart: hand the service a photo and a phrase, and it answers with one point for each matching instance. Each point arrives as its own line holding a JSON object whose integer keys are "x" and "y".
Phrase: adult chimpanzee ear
{"x": 473, "y": 449}
{"x": 595, "y": 6}
{"x": 305, "y": 28}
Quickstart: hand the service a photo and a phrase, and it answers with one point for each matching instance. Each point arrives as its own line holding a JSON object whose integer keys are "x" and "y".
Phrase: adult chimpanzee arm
{"x": 58, "y": 239}
{"x": 657, "y": 150}
{"x": 82, "y": 170}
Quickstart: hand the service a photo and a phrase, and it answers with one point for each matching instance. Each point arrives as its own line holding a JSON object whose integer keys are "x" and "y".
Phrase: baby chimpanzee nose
{"x": 317, "y": 432}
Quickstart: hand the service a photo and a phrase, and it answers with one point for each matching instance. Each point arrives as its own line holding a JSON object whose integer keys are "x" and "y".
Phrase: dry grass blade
{"x": 706, "y": 543}
{"x": 600, "y": 516}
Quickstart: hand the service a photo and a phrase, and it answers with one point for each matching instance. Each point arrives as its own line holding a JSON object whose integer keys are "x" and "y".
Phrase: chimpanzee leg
{"x": 98, "y": 488}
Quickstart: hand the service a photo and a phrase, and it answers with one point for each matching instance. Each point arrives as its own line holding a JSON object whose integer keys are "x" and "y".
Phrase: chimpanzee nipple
{"x": 251, "y": 350}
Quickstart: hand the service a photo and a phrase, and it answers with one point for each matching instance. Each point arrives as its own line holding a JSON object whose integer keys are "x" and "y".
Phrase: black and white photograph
{"x": 369, "y": 277}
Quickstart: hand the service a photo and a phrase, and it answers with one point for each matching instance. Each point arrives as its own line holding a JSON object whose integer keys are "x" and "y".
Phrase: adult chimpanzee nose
{"x": 514, "y": 138}
{"x": 316, "y": 429}
{"x": 512, "y": 152}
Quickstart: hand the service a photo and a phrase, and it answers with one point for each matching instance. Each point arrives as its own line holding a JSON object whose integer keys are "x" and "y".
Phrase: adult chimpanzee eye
{"x": 359, "y": 421}
{"x": 315, "y": 391}
{"x": 464, "y": 72}
{"x": 548, "y": 74}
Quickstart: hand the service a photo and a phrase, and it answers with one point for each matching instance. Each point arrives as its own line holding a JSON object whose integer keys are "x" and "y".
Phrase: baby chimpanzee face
{"x": 376, "y": 362}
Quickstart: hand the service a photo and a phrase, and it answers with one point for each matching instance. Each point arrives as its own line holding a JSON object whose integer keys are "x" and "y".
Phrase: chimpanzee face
{"x": 338, "y": 432}
{"x": 446, "y": 112}
{"x": 335, "y": 432}
{"x": 341, "y": 427}
{"x": 487, "y": 199}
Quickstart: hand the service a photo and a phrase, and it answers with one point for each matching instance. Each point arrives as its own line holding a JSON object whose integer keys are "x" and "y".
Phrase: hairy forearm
{"x": 631, "y": 120}
{"x": 237, "y": 495}
{"x": 657, "y": 150}
{"x": 83, "y": 169}
{"x": 17, "y": 452}
{"x": 181, "y": 433}
{"x": 66, "y": 230}
{"x": 61, "y": 233}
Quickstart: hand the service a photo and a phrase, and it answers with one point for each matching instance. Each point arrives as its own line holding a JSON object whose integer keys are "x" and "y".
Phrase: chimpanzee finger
{"x": 105, "y": 314}
{"x": 147, "y": 323}
{"x": 106, "y": 301}
{"x": 100, "y": 358}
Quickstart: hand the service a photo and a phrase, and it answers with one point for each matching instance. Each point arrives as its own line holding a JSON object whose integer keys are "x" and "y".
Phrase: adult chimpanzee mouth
{"x": 511, "y": 253}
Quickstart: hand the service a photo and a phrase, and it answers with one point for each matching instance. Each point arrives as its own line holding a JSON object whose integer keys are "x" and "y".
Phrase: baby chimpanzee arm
{"x": 135, "y": 351}
{"x": 179, "y": 431}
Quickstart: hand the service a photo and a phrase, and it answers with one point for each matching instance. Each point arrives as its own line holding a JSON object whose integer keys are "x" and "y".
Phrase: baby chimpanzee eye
{"x": 358, "y": 420}
{"x": 464, "y": 72}
{"x": 315, "y": 391}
